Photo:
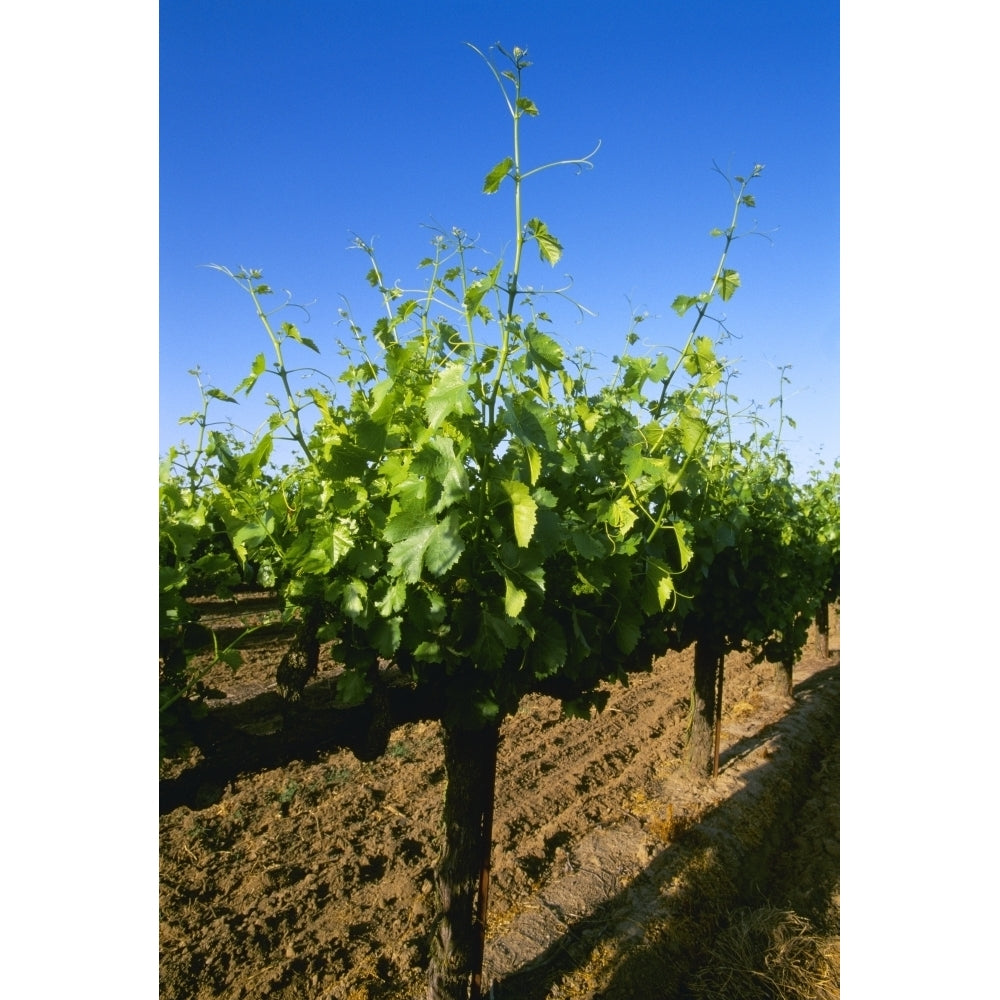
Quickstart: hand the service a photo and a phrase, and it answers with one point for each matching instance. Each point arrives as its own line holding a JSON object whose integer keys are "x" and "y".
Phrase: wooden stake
{"x": 482, "y": 906}
{"x": 719, "y": 672}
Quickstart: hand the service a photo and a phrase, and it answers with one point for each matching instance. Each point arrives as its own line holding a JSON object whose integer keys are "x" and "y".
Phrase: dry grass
{"x": 770, "y": 954}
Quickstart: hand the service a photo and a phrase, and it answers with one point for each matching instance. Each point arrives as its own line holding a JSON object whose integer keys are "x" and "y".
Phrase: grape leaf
{"x": 495, "y": 177}
{"x": 524, "y": 510}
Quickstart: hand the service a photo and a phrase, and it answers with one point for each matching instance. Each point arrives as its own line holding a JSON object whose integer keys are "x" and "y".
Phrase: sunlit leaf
{"x": 729, "y": 281}
{"x": 354, "y": 597}
{"x": 524, "y": 510}
{"x": 514, "y": 598}
{"x": 682, "y": 303}
{"x": 449, "y": 394}
{"x": 292, "y": 331}
{"x": 423, "y": 541}
{"x": 549, "y": 248}
{"x": 477, "y": 290}
{"x": 495, "y": 177}
{"x": 534, "y": 459}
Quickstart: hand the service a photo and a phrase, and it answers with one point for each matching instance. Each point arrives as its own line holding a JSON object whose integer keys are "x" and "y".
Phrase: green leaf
{"x": 659, "y": 586}
{"x": 219, "y": 394}
{"x": 245, "y": 386}
{"x": 386, "y": 636}
{"x": 577, "y": 708}
{"x": 422, "y": 541}
{"x": 549, "y": 248}
{"x": 527, "y": 106}
{"x": 446, "y": 545}
{"x": 428, "y": 652}
{"x": 232, "y": 658}
{"x": 442, "y": 477}
{"x": 729, "y": 281}
{"x": 530, "y": 422}
{"x": 495, "y": 177}
{"x": 449, "y": 394}
{"x": 618, "y": 514}
{"x": 391, "y": 596}
{"x": 534, "y": 463}
{"x": 250, "y": 536}
{"x": 354, "y": 597}
{"x": 693, "y": 429}
{"x": 682, "y": 303}
{"x": 547, "y": 653}
{"x": 406, "y": 309}
{"x": 514, "y": 598}
{"x": 544, "y": 350}
{"x": 589, "y": 547}
{"x": 352, "y": 687}
{"x": 475, "y": 293}
{"x": 292, "y": 331}
{"x": 702, "y": 361}
{"x": 329, "y": 544}
{"x": 487, "y": 708}
{"x": 524, "y": 510}
{"x": 682, "y": 546}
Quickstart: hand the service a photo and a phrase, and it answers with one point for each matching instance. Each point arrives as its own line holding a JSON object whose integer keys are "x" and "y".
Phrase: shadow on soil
{"x": 646, "y": 944}
{"x": 266, "y": 732}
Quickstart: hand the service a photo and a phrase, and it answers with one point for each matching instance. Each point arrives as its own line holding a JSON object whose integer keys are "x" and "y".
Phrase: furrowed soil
{"x": 614, "y": 870}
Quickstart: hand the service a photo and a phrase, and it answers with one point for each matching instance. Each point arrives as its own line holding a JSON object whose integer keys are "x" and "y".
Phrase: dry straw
{"x": 770, "y": 954}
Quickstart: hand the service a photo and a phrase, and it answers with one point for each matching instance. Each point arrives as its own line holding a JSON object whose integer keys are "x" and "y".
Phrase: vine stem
{"x": 282, "y": 372}
{"x": 702, "y": 307}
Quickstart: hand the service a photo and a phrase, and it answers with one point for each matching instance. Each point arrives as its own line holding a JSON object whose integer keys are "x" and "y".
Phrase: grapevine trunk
{"x": 708, "y": 655}
{"x": 470, "y": 757}
{"x": 783, "y": 676}
{"x": 823, "y": 628}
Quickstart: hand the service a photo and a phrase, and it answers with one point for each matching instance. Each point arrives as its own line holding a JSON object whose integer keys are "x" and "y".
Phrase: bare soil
{"x": 613, "y": 867}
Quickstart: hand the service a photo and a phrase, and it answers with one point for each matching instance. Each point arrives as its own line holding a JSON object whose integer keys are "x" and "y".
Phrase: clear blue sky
{"x": 286, "y": 127}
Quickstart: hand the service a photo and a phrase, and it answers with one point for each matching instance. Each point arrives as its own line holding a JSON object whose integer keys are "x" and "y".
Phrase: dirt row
{"x": 314, "y": 880}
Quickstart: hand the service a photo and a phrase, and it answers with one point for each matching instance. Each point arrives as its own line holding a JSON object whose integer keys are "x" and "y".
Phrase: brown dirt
{"x": 613, "y": 869}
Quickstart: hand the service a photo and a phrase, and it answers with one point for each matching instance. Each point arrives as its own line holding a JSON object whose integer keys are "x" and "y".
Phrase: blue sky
{"x": 286, "y": 128}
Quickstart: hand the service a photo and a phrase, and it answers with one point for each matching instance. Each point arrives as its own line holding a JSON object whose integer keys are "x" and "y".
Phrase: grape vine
{"x": 468, "y": 505}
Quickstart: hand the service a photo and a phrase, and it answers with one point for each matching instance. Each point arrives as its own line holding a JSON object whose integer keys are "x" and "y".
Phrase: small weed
{"x": 336, "y": 775}
{"x": 401, "y": 751}
{"x": 285, "y": 797}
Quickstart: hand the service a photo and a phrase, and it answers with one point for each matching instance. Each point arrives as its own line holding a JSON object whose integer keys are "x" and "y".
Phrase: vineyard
{"x": 314, "y": 878}
{"x": 492, "y": 686}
